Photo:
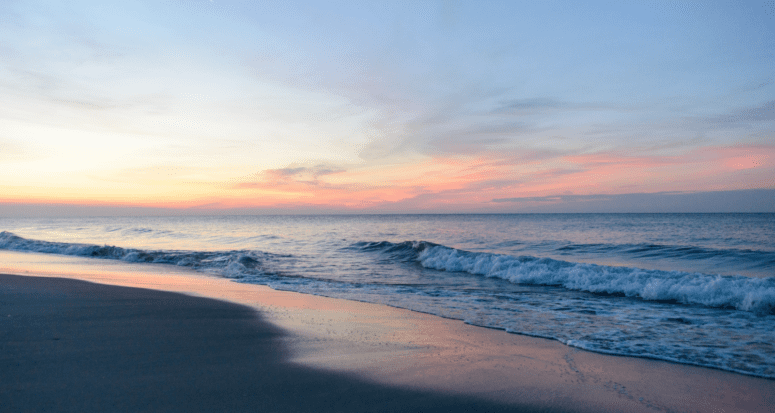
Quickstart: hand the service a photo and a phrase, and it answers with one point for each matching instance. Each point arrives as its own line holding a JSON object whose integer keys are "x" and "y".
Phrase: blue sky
{"x": 416, "y": 106}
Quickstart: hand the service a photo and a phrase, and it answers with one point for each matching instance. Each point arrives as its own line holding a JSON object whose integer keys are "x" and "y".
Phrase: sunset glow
{"x": 406, "y": 107}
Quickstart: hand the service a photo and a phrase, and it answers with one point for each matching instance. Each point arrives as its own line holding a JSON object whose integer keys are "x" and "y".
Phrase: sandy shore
{"x": 384, "y": 355}
{"x": 73, "y": 346}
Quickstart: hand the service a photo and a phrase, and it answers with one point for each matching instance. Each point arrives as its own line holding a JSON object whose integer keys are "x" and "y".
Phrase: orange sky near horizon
{"x": 471, "y": 181}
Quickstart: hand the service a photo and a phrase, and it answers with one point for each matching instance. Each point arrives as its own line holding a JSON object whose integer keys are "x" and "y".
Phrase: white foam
{"x": 230, "y": 264}
{"x": 742, "y": 293}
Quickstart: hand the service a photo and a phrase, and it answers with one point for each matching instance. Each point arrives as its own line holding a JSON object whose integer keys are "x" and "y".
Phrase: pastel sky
{"x": 417, "y": 106}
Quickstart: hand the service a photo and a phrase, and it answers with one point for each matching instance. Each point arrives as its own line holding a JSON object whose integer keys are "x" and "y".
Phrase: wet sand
{"x": 72, "y": 346}
{"x": 299, "y": 352}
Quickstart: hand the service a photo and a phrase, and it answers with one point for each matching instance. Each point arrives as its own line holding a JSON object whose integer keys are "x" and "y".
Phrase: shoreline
{"x": 74, "y": 346}
{"x": 409, "y": 350}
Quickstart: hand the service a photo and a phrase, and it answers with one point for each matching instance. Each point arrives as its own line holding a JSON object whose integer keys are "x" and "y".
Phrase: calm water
{"x": 690, "y": 288}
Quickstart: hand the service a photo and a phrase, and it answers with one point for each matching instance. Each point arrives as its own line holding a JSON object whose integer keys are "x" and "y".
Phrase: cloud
{"x": 291, "y": 176}
{"x": 282, "y": 172}
{"x": 528, "y": 104}
{"x": 544, "y": 104}
{"x": 749, "y": 200}
{"x": 765, "y": 112}
{"x": 314, "y": 171}
{"x": 560, "y": 198}
{"x": 469, "y": 123}
{"x": 469, "y": 142}
{"x": 11, "y": 150}
{"x": 65, "y": 100}
{"x": 757, "y": 85}
{"x": 740, "y": 118}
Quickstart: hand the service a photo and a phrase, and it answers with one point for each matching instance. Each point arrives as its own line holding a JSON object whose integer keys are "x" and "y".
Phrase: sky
{"x": 213, "y": 106}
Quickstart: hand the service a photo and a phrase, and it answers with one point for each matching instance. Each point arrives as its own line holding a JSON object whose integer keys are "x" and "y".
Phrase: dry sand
{"x": 429, "y": 357}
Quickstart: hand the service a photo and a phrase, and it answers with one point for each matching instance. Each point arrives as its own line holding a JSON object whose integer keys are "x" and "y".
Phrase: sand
{"x": 306, "y": 352}
{"x": 73, "y": 346}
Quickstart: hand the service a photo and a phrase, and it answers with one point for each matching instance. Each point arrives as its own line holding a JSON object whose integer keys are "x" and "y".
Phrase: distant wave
{"x": 743, "y": 293}
{"x": 752, "y": 257}
{"x": 232, "y": 264}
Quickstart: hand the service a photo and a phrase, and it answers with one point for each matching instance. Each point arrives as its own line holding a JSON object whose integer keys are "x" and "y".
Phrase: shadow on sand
{"x": 74, "y": 346}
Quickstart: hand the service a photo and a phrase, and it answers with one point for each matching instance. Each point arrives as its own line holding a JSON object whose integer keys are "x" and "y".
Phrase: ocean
{"x": 696, "y": 289}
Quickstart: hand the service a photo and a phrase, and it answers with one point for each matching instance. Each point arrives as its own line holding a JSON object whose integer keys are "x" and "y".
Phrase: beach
{"x": 420, "y": 206}
{"x": 189, "y": 342}
{"x": 75, "y": 346}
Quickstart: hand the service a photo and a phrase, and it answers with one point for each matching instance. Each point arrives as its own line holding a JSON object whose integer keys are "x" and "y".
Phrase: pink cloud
{"x": 470, "y": 182}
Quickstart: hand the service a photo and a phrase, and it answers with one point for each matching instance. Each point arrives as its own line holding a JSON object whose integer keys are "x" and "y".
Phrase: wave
{"x": 231, "y": 264}
{"x": 755, "y": 295}
{"x": 742, "y": 293}
{"x": 658, "y": 251}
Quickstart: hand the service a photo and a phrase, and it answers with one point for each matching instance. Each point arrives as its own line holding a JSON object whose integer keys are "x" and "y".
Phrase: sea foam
{"x": 231, "y": 264}
{"x": 742, "y": 293}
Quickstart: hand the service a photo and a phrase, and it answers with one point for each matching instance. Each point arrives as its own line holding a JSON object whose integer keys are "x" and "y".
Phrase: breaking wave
{"x": 743, "y": 293}
{"x": 230, "y": 264}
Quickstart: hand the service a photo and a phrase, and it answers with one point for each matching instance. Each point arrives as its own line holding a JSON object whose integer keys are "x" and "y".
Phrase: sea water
{"x": 689, "y": 288}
